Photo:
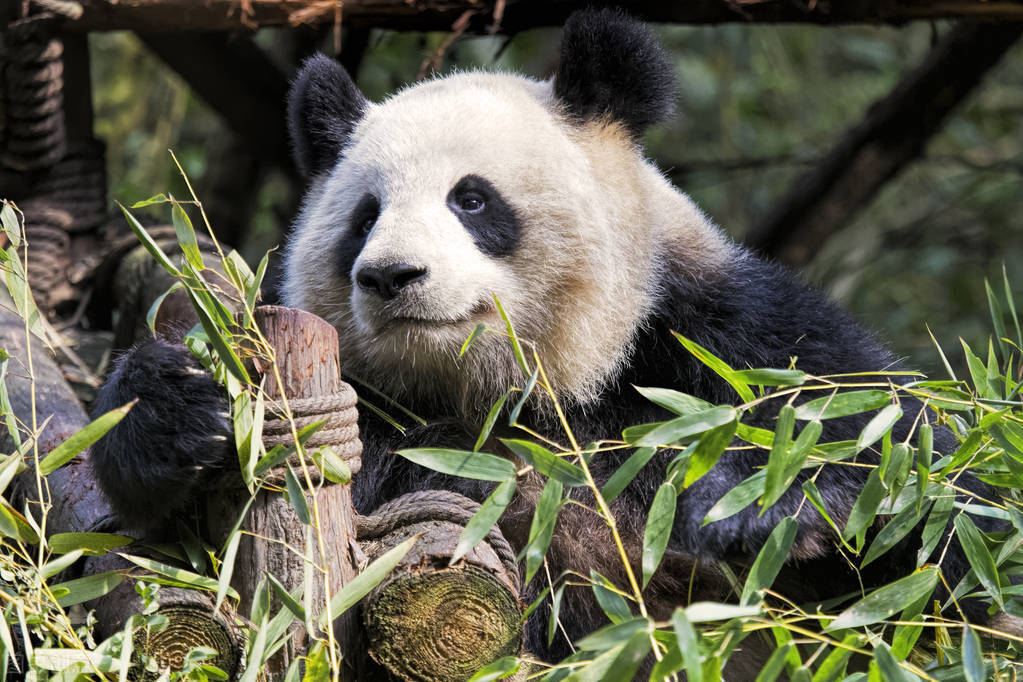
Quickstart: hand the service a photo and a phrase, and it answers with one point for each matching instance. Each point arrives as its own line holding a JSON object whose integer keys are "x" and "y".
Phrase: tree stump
{"x": 430, "y": 620}
{"x": 306, "y": 349}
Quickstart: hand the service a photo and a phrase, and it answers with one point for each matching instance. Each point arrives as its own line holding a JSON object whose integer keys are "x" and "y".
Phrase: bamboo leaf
{"x": 843, "y": 404}
{"x": 224, "y": 350}
{"x": 659, "y": 523}
{"x": 484, "y": 519}
{"x": 83, "y": 438}
{"x": 625, "y": 474}
{"x": 488, "y": 424}
{"x": 186, "y": 236}
{"x": 772, "y": 377}
{"x": 981, "y": 561}
{"x": 769, "y": 560}
{"x": 475, "y": 465}
{"x": 227, "y": 567}
{"x": 506, "y": 666}
{"x": 541, "y": 529}
{"x": 296, "y": 496}
{"x": 330, "y": 464}
{"x": 352, "y": 593}
{"x": 154, "y": 309}
{"x": 688, "y": 425}
{"x": 52, "y": 568}
{"x": 737, "y": 499}
{"x": 887, "y": 601}
{"x": 879, "y": 425}
{"x": 865, "y": 508}
{"x": 546, "y": 462}
{"x": 934, "y": 528}
{"x": 178, "y": 575}
{"x": 890, "y": 669}
{"x": 151, "y": 246}
{"x": 896, "y": 529}
{"x": 719, "y": 366}
{"x": 611, "y": 602}
{"x": 674, "y": 401}
{"x": 90, "y": 543}
{"x": 973, "y": 657}
{"x": 687, "y": 640}
{"x": 476, "y": 332}
{"x": 88, "y": 588}
{"x": 708, "y": 451}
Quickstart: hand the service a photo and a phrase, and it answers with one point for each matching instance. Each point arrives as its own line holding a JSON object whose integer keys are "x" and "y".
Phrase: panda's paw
{"x": 150, "y": 464}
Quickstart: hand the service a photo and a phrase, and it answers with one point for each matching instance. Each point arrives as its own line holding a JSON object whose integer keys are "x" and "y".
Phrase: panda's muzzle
{"x": 389, "y": 281}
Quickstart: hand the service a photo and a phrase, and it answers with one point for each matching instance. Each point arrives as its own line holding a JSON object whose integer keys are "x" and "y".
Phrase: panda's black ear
{"x": 612, "y": 66}
{"x": 324, "y": 106}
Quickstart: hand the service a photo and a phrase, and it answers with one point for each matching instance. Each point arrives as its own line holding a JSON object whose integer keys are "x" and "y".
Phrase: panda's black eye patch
{"x": 359, "y": 224}
{"x": 486, "y": 216}
{"x": 365, "y": 215}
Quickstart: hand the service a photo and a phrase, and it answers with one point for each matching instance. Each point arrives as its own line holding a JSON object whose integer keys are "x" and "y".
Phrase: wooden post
{"x": 306, "y": 350}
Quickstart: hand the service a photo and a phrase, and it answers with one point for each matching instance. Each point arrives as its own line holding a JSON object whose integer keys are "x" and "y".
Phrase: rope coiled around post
{"x": 433, "y": 505}
{"x": 340, "y": 430}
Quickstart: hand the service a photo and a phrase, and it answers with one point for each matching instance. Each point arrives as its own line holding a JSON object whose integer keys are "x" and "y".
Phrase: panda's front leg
{"x": 151, "y": 463}
{"x": 742, "y": 535}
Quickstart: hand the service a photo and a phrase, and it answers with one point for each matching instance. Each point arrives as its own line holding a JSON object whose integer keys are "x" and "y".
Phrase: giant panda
{"x": 423, "y": 207}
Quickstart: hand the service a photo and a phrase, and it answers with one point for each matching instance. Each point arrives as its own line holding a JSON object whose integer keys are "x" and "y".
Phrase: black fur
{"x": 150, "y": 463}
{"x": 324, "y": 106}
{"x": 360, "y": 223}
{"x": 494, "y": 227}
{"x": 611, "y": 66}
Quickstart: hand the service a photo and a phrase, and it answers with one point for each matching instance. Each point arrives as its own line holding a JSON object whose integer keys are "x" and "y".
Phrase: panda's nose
{"x": 390, "y": 280}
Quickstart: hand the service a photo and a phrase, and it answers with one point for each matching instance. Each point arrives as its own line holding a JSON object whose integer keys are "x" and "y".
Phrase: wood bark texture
{"x": 306, "y": 349}
{"x": 439, "y": 15}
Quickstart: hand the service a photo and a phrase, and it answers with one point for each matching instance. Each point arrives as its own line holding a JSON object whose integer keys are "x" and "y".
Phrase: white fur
{"x": 599, "y": 222}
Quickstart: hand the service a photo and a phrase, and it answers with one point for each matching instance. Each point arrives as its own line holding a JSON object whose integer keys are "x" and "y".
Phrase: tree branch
{"x": 894, "y": 132}
{"x": 518, "y": 15}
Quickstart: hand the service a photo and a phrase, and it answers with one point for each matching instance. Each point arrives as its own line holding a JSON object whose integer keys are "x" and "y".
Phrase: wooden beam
{"x": 894, "y": 132}
{"x": 439, "y": 15}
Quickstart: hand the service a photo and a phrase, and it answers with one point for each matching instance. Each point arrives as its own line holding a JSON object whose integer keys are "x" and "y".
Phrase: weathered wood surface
{"x": 439, "y": 15}
{"x": 430, "y": 619}
{"x": 306, "y": 349}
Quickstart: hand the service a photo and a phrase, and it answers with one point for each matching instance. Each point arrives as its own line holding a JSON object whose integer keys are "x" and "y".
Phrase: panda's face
{"x": 473, "y": 187}
{"x": 448, "y": 195}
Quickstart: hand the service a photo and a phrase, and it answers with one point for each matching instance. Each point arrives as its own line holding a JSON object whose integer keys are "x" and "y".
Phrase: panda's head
{"x": 424, "y": 207}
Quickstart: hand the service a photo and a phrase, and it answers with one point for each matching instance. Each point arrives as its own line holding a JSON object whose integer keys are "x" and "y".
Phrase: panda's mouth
{"x": 480, "y": 311}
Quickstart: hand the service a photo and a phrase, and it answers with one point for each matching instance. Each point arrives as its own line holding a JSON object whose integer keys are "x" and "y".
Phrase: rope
{"x": 340, "y": 429}
{"x": 33, "y": 100}
{"x": 433, "y": 505}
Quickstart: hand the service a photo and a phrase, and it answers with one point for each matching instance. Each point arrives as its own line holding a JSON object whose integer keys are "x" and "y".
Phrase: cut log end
{"x": 442, "y": 624}
{"x": 188, "y": 627}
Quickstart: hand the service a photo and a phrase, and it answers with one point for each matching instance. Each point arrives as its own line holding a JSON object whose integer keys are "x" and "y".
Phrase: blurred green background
{"x": 758, "y": 104}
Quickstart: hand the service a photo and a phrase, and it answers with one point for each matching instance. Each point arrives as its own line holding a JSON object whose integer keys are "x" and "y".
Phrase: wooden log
{"x": 430, "y": 620}
{"x": 306, "y": 349}
{"x": 519, "y": 15}
{"x": 72, "y": 502}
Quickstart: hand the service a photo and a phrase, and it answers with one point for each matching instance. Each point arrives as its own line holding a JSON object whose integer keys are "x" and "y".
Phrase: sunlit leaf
{"x": 484, "y": 519}
{"x": 770, "y": 559}
{"x": 886, "y": 601}
{"x": 546, "y": 462}
{"x": 83, "y": 438}
{"x": 477, "y": 465}
{"x": 843, "y": 404}
{"x": 659, "y": 523}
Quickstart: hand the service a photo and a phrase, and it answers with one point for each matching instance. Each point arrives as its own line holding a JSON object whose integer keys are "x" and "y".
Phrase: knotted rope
{"x": 433, "y": 505}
